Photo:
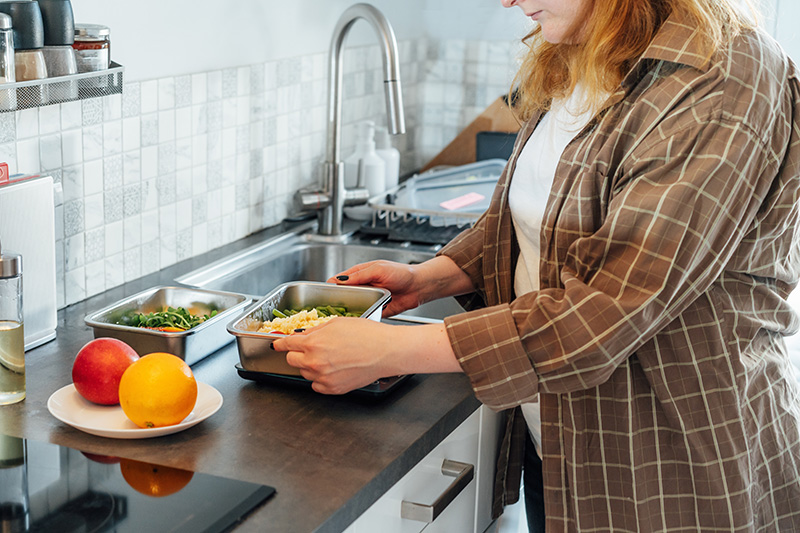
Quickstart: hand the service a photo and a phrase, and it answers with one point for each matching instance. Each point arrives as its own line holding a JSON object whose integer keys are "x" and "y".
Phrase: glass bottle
{"x": 8, "y": 97}
{"x": 12, "y": 336}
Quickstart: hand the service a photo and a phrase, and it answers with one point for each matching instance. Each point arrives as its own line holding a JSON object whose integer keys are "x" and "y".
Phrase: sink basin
{"x": 295, "y": 257}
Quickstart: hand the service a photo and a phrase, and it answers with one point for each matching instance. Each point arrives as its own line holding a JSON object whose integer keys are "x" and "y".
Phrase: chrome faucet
{"x": 333, "y": 196}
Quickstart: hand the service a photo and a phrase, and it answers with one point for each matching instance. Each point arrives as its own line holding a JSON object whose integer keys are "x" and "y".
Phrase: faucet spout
{"x": 333, "y": 213}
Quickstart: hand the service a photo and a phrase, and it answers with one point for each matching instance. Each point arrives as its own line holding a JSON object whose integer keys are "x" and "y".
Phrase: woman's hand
{"x": 344, "y": 354}
{"x": 410, "y": 285}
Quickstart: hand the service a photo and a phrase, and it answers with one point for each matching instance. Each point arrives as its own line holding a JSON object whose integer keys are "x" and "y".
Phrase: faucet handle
{"x": 309, "y": 198}
{"x": 357, "y": 196}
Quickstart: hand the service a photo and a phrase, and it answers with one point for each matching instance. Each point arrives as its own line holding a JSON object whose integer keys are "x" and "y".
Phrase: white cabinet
{"x": 472, "y": 444}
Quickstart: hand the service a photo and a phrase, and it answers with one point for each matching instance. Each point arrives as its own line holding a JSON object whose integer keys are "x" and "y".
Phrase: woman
{"x": 651, "y": 331}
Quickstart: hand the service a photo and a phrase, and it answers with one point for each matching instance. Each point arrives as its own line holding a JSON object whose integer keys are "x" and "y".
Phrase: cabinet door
{"x": 490, "y": 434}
{"x": 424, "y": 484}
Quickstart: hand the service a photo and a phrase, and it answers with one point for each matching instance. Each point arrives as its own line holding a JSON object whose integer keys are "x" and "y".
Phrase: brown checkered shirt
{"x": 655, "y": 344}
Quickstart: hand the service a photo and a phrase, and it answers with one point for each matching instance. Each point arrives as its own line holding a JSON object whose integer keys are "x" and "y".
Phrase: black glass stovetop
{"x": 69, "y": 491}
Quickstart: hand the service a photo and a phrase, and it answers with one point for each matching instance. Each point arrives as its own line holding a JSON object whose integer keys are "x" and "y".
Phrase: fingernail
{"x": 299, "y": 330}
{"x": 272, "y": 346}
{"x": 342, "y": 278}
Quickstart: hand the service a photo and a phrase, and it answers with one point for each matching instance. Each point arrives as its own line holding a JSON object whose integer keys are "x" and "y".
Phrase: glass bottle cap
{"x": 10, "y": 264}
{"x": 5, "y": 22}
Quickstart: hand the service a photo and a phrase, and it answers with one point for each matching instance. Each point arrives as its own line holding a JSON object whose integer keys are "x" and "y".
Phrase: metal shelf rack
{"x": 28, "y": 94}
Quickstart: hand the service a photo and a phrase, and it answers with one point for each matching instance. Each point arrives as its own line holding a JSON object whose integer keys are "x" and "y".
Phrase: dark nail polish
{"x": 299, "y": 330}
{"x": 342, "y": 278}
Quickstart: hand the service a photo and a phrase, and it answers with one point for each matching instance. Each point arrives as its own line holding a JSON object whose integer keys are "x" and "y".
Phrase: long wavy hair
{"x": 616, "y": 33}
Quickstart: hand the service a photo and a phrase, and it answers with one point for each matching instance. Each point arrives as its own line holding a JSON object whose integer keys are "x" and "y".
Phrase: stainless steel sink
{"x": 295, "y": 257}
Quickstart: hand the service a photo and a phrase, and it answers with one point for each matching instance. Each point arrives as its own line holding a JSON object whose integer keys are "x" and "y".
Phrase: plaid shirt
{"x": 655, "y": 344}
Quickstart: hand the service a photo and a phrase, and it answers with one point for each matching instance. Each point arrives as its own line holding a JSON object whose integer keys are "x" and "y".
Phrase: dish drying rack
{"x": 435, "y": 206}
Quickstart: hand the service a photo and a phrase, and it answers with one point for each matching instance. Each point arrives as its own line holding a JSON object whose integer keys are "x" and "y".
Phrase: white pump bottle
{"x": 364, "y": 168}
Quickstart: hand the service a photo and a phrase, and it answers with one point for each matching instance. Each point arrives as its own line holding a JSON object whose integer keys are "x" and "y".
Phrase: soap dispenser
{"x": 390, "y": 156}
{"x": 365, "y": 168}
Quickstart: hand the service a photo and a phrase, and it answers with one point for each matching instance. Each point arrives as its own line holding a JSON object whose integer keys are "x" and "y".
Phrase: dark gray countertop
{"x": 329, "y": 458}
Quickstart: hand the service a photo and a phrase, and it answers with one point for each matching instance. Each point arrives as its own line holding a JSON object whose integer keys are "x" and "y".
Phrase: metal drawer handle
{"x": 463, "y": 474}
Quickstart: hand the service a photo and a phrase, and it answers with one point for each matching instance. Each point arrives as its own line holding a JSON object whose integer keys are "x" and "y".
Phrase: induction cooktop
{"x": 66, "y": 490}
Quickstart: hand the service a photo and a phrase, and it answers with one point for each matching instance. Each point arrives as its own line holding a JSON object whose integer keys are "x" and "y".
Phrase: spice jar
{"x": 12, "y": 336}
{"x": 7, "y": 74}
{"x": 92, "y": 47}
{"x": 29, "y": 64}
{"x": 59, "y": 34}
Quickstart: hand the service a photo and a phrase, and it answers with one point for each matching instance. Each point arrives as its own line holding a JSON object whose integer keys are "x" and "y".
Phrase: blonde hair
{"x": 617, "y": 32}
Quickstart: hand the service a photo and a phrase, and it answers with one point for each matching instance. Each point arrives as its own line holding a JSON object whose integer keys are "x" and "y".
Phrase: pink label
{"x": 462, "y": 201}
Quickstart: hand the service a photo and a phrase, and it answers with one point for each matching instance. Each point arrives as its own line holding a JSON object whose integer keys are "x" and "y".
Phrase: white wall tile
{"x": 50, "y": 152}
{"x": 132, "y": 232}
{"x": 93, "y": 177}
{"x": 199, "y": 88}
{"x": 94, "y": 212}
{"x": 149, "y": 162}
{"x": 114, "y": 270}
{"x": 149, "y": 96}
{"x": 75, "y": 285}
{"x": 112, "y": 137}
{"x": 114, "y": 239}
{"x": 74, "y": 251}
{"x": 92, "y": 142}
{"x": 71, "y": 115}
{"x": 27, "y": 123}
{"x": 49, "y": 119}
{"x": 166, "y": 125}
{"x": 183, "y": 122}
{"x": 131, "y": 133}
{"x": 71, "y": 147}
{"x": 28, "y": 156}
{"x": 166, "y": 93}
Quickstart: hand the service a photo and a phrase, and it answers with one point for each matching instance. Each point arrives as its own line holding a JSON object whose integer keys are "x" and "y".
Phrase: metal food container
{"x": 255, "y": 353}
{"x": 190, "y": 345}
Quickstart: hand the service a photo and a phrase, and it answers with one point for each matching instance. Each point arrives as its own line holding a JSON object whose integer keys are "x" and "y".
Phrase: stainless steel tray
{"x": 255, "y": 353}
{"x": 191, "y": 345}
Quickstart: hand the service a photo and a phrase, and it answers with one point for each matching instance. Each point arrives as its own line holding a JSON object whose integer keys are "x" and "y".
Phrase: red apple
{"x": 99, "y": 366}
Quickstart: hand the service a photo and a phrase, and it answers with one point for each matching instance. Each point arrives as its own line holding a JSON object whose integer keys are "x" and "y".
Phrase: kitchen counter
{"x": 328, "y": 457}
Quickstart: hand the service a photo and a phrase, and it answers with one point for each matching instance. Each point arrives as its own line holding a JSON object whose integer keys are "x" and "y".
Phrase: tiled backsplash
{"x": 177, "y": 166}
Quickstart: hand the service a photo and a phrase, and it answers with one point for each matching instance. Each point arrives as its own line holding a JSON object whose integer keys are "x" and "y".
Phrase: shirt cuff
{"x": 488, "y": 348}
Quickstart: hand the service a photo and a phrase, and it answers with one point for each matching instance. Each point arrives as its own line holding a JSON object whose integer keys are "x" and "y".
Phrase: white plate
{"x": 110, "y": 421}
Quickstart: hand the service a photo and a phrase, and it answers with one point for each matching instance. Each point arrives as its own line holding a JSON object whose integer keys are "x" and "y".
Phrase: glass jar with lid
{"x": 92, "y": 47}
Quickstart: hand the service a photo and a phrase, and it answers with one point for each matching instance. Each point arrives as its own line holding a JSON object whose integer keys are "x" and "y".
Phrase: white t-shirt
{"x": 527, "y": 198}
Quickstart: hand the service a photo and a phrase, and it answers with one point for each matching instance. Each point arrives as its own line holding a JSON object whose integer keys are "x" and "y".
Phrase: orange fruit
{"x": 154, "y": 480}
{"x": 157, "y": 390}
